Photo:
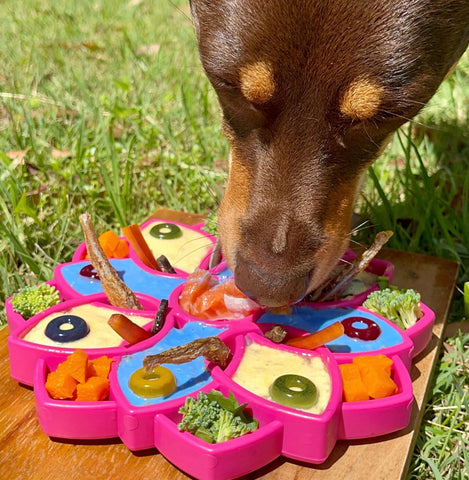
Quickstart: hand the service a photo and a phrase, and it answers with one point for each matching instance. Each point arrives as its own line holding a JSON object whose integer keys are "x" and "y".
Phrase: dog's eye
{"x": 380, "y": 118}
{"x": 387, "y": 115}
{"x": 220, "y": 83}
{"x": 240, "y": 114}
{"x": 232, "y": 89}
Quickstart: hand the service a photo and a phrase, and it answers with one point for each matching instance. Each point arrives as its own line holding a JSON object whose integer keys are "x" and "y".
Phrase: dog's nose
{"x": 273, "y": 289}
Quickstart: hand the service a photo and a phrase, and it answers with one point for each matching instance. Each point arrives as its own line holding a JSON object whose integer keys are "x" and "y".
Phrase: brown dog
{"x": 310, "y": 92}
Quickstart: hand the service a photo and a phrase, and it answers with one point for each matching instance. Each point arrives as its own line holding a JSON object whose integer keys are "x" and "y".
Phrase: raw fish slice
{"x": 240, "y": 306}
{"x": 198, "y": 282}
{"x": 213, "y": 299}
{"x": 208, "y": 300}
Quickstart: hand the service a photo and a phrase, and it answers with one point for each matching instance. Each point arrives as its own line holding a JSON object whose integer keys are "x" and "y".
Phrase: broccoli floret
{"x": 231, "y": 426}
{"x": 215, "y": 418}
{"x": 34, "y": 299}
{"x": 401, "y": 307}
{"x": 199, "y": 416}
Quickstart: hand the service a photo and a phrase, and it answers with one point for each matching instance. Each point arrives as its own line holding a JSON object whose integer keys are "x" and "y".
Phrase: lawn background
{"x": 104, "y": 108}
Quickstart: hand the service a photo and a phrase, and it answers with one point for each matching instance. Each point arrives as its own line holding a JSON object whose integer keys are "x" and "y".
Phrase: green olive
{"x": 158, "y": 383}
{"x": 166, "y": 231}
{"x": 294, "y": 391}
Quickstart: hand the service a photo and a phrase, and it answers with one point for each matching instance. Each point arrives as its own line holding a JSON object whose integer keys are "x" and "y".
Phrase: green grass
{"x": 443, "y": 442}
{"x": 420, "y": 187}
{"x": 109, "y": 112}
{"x": 104, "y": 108}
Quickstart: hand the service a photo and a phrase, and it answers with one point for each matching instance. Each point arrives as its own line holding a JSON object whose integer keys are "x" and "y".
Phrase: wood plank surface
{"x": 27, "y": 453}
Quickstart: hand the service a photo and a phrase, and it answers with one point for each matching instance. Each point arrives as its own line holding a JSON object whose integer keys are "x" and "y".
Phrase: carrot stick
{"x": 138, "y": 243}
{"x": 319, "y": 338}
{"x": 128, "y": 330}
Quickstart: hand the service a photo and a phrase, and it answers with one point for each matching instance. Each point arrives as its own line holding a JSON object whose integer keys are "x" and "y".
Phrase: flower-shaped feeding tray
{"x": 141, "y": 423}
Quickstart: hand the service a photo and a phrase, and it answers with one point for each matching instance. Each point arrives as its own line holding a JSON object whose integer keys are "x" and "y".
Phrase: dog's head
{"x": 310, "y": 91}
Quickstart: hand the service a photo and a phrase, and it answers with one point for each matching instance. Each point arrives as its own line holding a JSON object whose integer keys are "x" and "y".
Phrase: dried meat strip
{"x": 336, "y": 284}
{"x": 212, "y": 348}
{"x": 117, "y": 292}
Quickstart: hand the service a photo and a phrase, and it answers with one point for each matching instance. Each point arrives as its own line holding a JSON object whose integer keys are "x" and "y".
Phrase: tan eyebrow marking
{"x": 362, "y": 98}
{"x": 257, "y": 81}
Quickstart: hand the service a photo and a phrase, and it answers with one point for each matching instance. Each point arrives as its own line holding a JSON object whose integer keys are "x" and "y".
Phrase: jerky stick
{"x": 164, "y": 265}
{"x": 276, "y": 334}
{"x": 212, "y": 348}
{"x": 215, "y": 257}
{"x": 160, "y": 317}
{"x": 336, "y": 284}
{"x": 117, "y": 292}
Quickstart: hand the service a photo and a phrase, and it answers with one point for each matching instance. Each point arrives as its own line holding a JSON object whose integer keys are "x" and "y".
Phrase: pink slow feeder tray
{"x": 143, "y": 424}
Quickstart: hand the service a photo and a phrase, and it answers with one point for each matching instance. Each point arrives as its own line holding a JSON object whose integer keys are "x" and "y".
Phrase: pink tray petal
{"x": 370, "y": 418}
{"x": 72, "y": 419}
{"x": 24, "y": 355}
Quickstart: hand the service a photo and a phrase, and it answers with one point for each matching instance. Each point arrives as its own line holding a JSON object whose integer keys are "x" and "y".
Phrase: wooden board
{"x": 26, "y": 452}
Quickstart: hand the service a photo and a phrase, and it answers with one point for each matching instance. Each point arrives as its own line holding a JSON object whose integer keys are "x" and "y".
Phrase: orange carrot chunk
{"x": 60, "y": 385}
{"x": 94, "y": 390}
{"x": 109, "y": 242}
{"x": 78, "y": 378}
{"x": 128, "y": 330}
{"x": 76, "y": 365}
{"x": 112, "y": 245}
{"x": 138, "y": 243}
{"x": 377, "y": 382}
{"x": 99, "y": 367}
{"x": 318, "y": 338}
{"x": 354, "y": 389}
{"x": 122, "y": 249}
{"x": 371, "y": 372}
{"x": 376, "y": 361}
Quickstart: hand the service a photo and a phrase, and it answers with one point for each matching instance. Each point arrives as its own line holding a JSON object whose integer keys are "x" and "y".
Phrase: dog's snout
{"x": 273, "y": 289}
